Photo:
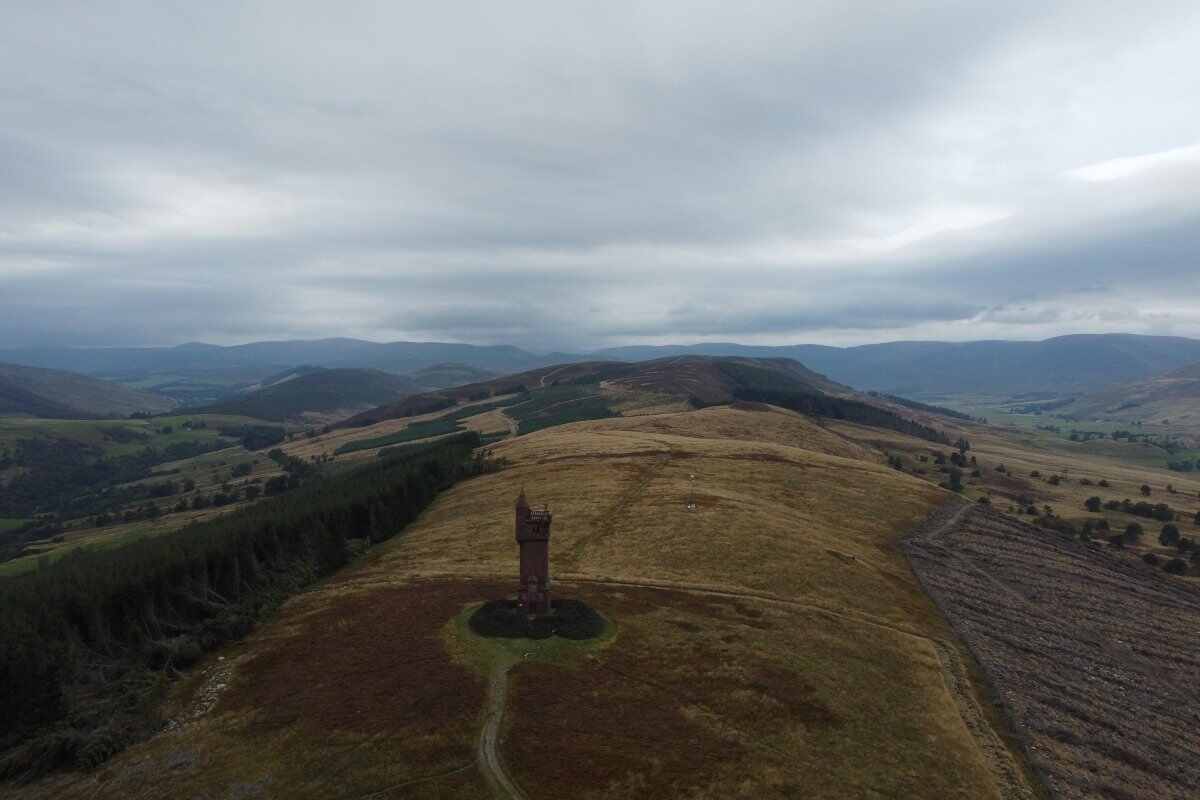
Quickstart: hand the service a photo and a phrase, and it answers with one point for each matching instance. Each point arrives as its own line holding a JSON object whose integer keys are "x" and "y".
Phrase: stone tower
{"x": 533, "y": 537}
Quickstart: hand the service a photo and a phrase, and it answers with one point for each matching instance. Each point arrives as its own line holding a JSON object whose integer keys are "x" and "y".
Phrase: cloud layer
{"x": 570, "y": 175}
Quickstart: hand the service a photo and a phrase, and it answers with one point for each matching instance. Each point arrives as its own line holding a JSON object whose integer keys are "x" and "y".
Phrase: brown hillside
{"x": 772, "y": 643}
{"x": 1173, "y": 397}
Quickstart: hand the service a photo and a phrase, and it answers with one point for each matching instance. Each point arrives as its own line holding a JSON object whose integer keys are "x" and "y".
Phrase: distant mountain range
{"x": 128, "y": 363}
{"x": 55, "y": 394}
{"x": 1063, "y": 364}
{"x": 1079, "y": 363}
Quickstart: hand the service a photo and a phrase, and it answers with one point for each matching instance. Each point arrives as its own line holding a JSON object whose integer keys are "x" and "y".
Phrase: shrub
{"x": 1145, "y": 490}
{"x": 1176, "y": 566}
{"x": 1150, "y": 558}
{"x": 1133, "y": 532}
{"x": 1169, "y": 535}
{"x": 276, "y": 485}
{"x": 1093, "y": 504}
{"x": 570, "y": 619}
{"x": 1103, "y": 483}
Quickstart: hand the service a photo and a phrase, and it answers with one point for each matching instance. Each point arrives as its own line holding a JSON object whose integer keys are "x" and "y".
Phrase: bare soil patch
{"x": 1093, "y": 655}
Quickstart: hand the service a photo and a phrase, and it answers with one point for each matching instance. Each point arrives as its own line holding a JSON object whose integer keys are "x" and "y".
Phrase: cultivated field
{"x": 772, "y": 643}
{"x": 1094, "y": 655}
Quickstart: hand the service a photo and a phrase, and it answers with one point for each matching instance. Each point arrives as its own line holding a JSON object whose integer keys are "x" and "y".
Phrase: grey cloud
{"x": 590, "y": 175}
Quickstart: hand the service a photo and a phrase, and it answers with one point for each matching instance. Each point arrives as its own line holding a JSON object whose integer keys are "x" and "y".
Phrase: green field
{"x": 1048, "y": 431}
{"x": 118, "y": 437}
{"x": 41, "y": 556}
{"x": 10, "y": 523}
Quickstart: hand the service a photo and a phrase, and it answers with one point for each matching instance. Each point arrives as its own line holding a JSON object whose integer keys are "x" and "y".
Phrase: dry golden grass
{"x": 494, "y": 421}
{"x": 629, "y": 402}
{"x": 1072, "y": 462}
{"x": 739, "y": 698}
{"x": 326, "y": 443}
{"x": 772, "y": 517}
{"x": 788, "y": 642}
{"x": 779, "y": 516}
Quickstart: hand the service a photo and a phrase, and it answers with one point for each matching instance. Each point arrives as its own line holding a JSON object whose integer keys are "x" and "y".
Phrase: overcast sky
{"x": 575, "y": 175}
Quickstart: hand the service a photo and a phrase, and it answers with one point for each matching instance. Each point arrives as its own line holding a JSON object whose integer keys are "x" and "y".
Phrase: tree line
{"x": 819, "y": 405}
{"x": 90, "y": 641}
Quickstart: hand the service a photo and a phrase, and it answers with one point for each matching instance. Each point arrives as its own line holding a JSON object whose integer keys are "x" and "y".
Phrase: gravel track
{"x": 487, "y": 754}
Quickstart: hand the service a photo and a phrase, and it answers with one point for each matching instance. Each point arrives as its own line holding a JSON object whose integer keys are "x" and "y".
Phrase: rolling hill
{"x": 772, "y": 640}
{"x": 56, "y": 394}
{"x": 316, "y": 390}
{"x": 1174, "y": 396}
{"x": 443, "y": 376}
{"x": 127, "y": 363}
{"x": 699, "y": 380}
{"x": 1065, "y": 363}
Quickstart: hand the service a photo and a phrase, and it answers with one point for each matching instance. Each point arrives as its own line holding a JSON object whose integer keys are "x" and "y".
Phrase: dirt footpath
{"x": 1094, "y": 656}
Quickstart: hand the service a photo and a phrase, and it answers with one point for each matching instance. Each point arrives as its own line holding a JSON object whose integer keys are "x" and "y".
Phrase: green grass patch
{"x": 10, "y": 523}
{"x": 120, "y": 437}
{"x": 482, "y": 654}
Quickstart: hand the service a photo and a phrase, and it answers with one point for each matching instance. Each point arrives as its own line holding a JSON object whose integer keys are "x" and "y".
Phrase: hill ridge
{"x": 59, "y": 394}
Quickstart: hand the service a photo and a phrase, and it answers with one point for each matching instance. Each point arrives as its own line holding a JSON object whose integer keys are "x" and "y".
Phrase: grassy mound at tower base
{"x": 569, "y": 619}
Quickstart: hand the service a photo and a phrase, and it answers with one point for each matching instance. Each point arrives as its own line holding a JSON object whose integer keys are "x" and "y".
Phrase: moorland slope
{"x": 773, "y": 640}
{"x": 318, "y": 390}
{"x": 1172, "y": 397}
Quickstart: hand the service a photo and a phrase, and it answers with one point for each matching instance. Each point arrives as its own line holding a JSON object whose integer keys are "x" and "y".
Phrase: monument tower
{"x": 533, "y": 537}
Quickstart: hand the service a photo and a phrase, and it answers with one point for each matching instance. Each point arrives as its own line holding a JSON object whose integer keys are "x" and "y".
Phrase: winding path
{"x": 486, "y": 753}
